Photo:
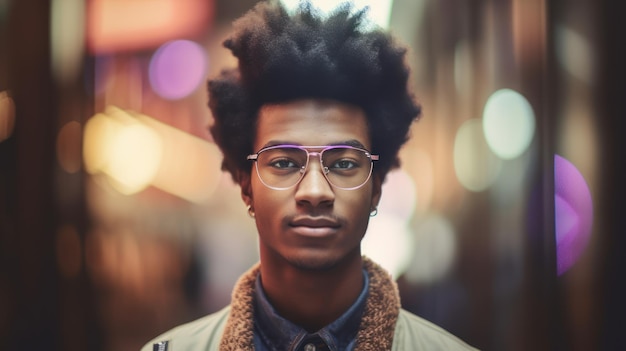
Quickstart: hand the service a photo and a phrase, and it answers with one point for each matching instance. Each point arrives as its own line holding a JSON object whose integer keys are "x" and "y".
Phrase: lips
{"x": 314, "y": 226}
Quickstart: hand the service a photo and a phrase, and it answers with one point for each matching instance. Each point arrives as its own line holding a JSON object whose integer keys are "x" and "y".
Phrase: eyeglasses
{"x": 345, "y": 167}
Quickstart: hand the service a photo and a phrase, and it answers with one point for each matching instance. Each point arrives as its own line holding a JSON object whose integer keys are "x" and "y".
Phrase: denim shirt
{"x": 274, "y": 333}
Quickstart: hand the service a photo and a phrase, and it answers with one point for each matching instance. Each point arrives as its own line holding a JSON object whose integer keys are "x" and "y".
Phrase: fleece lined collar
{"x": 375, "y": 331}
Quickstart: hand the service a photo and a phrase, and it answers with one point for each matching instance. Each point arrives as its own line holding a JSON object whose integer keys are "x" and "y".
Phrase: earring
{"x": 251, "y": 211}
{"x": 374, "y": 212}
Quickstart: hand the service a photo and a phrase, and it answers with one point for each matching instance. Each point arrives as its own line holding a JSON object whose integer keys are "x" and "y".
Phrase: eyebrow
{"x": 350, "y": 142}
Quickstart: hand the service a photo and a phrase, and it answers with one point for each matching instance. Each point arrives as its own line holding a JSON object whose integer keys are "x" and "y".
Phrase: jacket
{"x": 384, "y": 325}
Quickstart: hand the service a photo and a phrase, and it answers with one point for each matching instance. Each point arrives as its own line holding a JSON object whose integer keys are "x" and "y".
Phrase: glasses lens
{"x": 284, "y": 166}
{"x": 346, "y": 167}
{"x": 281, "y": 167}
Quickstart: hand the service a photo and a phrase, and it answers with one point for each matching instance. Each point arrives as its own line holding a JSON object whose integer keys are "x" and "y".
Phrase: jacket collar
{"x": 375, "y": 331}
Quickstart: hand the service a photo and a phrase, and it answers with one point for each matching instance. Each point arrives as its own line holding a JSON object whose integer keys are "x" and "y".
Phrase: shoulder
{"x": 202, "y": 334}
{"x": 415, "y": 333}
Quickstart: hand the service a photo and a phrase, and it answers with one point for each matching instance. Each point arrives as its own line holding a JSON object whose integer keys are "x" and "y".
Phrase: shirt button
{"x": 309, "y": 347}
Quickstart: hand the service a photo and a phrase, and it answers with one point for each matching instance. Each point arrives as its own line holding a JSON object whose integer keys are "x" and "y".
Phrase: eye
{"x": 345, "y": 164}
{"x": 284, "y": 163}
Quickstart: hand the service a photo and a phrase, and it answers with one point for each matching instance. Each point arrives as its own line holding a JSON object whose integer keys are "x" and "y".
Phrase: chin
{"x": 317, "y": 262}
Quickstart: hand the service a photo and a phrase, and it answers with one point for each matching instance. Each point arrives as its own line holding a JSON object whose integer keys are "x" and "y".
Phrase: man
{"x": 310, "y": 123}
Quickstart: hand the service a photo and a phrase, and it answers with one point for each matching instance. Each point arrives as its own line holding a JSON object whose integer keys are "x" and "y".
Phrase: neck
{"x": 310, "y": 298}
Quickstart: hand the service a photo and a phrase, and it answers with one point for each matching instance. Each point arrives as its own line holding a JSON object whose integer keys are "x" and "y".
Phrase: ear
{"x": 246, "y": 188}
{"x": 377, "y": 189}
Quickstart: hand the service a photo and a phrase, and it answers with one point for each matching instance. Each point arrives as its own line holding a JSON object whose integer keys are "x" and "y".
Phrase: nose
{"x": 314, "y": 189}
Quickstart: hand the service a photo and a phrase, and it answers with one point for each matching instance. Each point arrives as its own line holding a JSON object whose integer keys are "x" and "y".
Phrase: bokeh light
{"x": 189, "y": 167}
{"x": 574, "y": 53}
{"x": 67, "y": 38}
{"x": 124, "y": 149}
{"x": 379, "y": 10}
{"x": 509, "y": 123}
{"x": 424, "y": 178}
{"x": 132, "y": 25}
{"x": 434, "y": 250}
{"x": 7, "y": 116}
{"x": 573, "y": 215}
{"x": 388, "y": 240}
{"x": 98, "y": 130}
{"x": 135, "y": 151}
{"x": 463, "y": 72}
{"x": 134, "y": 155}
{"x": 177, "y": 69}
{"x": 476, "y": 167}
{"x": 398, "y": 196}
{"x": 389, "y": 243}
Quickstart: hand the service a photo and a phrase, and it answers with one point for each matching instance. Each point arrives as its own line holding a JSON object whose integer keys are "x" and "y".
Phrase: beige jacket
{"x": 384, "y": 325}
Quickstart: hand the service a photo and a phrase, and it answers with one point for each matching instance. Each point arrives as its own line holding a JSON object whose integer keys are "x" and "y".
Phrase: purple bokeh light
{"x": 177, "y": 68}
{"x": 573, "y": 215}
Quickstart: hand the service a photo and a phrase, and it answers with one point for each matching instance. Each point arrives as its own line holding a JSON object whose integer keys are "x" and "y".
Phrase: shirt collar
{"x": 274, "y": 332}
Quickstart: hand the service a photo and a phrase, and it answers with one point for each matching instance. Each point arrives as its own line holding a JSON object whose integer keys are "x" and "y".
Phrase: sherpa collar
{"x": 377, "y": 325}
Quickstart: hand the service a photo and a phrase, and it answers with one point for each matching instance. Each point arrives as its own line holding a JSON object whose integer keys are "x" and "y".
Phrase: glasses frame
{"x": 321, "y": 149}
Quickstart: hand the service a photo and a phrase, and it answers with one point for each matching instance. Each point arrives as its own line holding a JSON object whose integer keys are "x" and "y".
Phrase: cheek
{"x": 268, "y": 203}
{"x": 360, "y": 204}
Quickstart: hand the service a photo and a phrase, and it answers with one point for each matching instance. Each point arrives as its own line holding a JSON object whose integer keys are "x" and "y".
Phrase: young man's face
{"x": 312, "y": 225}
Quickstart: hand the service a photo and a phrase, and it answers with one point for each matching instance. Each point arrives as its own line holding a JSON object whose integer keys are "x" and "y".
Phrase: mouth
{"x": 314, "y": 227}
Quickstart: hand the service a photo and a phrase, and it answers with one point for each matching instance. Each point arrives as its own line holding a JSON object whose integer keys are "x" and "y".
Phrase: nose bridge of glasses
{"x": 317, "y": 154}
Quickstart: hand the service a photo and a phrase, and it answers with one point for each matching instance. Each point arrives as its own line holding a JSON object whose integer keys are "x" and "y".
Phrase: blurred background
{"x": 503, "y": 224}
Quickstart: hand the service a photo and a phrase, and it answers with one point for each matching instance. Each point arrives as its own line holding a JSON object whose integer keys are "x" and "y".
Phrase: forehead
{"x": 311, "y": 122}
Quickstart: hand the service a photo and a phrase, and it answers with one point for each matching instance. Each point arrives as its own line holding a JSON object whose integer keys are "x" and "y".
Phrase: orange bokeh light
{"x": 121, "y": 25}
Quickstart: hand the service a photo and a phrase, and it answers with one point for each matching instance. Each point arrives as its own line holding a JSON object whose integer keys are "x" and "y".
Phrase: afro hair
{"x": 285, "y": 57}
